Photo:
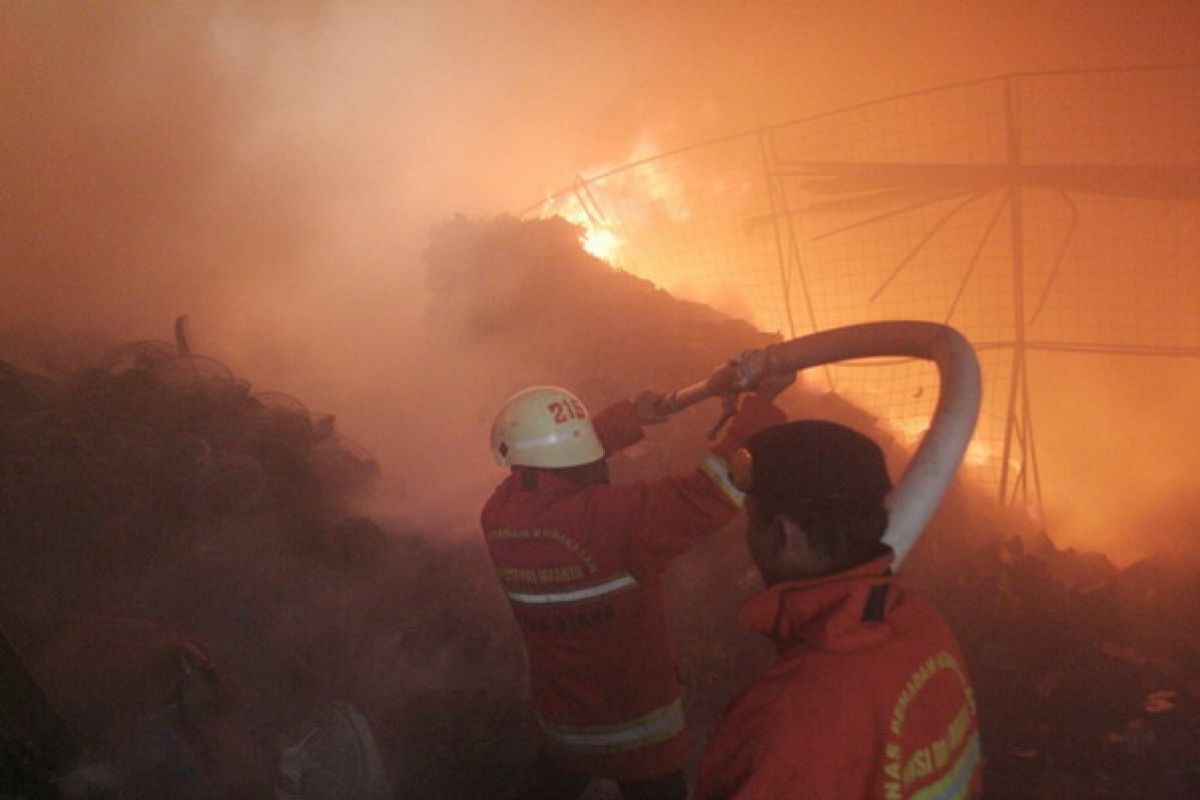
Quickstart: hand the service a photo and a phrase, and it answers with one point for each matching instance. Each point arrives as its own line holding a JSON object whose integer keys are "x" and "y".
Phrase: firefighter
{"x": 868, "y": 696}
{"x": 582, "y": 560}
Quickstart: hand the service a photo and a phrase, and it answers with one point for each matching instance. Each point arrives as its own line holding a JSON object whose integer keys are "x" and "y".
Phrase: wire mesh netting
{"x": 1051, "y": 211}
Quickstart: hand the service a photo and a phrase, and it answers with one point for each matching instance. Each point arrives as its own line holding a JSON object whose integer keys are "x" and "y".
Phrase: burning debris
{"x": 528, "y": 290}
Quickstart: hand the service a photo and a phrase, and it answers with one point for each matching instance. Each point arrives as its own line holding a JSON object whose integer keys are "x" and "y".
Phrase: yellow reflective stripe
{"x": 957, "y": 782}
{"x": 617, "y": 583}
{"x": 657, "y": 726}
{"x": 718, "y": 470}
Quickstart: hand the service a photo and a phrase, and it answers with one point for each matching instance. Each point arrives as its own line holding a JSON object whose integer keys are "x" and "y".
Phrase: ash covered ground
{"x": 161, "y": 519}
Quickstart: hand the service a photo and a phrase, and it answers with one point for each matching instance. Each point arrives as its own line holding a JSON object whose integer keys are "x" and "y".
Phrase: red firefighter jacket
{"x": 868, "y": 698}
{"x": 582, "y": 567}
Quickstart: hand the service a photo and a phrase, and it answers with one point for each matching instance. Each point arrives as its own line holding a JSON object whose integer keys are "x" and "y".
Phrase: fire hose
{"x": 917, "y": 494}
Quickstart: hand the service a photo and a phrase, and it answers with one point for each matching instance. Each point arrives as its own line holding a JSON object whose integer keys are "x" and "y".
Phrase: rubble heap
{"x": 155, "y": 507}
{"x": 527, "y": 290}
{"x": 151, "y": 456}
{"x": 1087, "y": 676}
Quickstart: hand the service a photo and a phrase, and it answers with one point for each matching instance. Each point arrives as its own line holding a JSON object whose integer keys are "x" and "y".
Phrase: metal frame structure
{"x": 1011, "y": 180}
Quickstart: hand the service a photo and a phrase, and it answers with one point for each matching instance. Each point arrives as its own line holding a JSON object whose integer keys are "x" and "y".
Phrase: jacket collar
{"x": 835, "y": 612}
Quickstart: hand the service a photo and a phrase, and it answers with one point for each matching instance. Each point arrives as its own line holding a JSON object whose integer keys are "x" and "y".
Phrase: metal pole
{"x": 1012, "y": 98}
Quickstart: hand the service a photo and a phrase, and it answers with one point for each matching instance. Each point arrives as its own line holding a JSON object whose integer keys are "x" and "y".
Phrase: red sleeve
{"x": 617, "y": 427}
{"x": 672, "y": 514}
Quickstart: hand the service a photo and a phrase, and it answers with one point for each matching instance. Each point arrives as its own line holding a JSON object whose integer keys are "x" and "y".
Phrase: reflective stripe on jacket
{"x": 611, "y": 585}
{"x": 659, "y": 725}
{"x": 582, "y": 568}
{"x": 868, "y": 698}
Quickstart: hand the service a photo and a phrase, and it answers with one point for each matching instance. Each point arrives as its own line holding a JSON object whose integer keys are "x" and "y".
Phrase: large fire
{"x": 599, "y": 239}
{"x": 654, "y": 189}
{"x": 651, "y": 191}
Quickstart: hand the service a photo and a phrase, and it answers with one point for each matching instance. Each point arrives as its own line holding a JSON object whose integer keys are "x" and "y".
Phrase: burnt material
{"x": 35, "y": 744}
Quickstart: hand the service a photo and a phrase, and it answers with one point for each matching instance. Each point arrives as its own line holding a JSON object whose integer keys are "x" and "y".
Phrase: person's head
{"x": 548, "y": 428}
{"x": 815, "y": 496}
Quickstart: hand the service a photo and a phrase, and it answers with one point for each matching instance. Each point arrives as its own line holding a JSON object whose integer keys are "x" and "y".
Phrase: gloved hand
{"x": 646, "y": 407}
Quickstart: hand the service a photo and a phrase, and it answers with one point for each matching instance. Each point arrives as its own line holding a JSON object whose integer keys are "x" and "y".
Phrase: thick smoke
{"x": 272, "y": 169}
{"x": 1118, "y": 464}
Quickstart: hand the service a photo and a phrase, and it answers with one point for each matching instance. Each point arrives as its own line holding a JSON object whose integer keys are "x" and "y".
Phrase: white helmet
{"x": 544, "y": 426}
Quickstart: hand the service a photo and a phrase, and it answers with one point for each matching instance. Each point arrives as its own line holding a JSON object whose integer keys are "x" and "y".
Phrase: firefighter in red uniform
{"x": 868, "y": 696}
{"x": 581, "y": 561}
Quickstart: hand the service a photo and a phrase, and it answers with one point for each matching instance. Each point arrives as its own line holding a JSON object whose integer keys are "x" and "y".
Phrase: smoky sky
{"x": 271, "y": 168}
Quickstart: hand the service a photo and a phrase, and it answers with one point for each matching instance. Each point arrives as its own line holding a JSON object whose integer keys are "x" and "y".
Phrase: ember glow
{"x": 599, "y": 239}
{"x": 602, "y": 243}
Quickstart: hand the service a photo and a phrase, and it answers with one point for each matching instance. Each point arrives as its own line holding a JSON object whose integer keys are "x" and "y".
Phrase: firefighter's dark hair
{"x": 830, "y": 480}
{"x": 849, "y": 535}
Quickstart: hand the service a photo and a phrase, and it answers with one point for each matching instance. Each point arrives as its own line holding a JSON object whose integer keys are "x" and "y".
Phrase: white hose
{"x": 917, "y": 494}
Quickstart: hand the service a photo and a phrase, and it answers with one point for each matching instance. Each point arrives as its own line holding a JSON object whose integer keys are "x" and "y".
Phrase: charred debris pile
{"x": 185, "y": 576}
{"x": 528, "y": 292}
{"x": 1087, "y": 677}
{"x": 154, "y": 503}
